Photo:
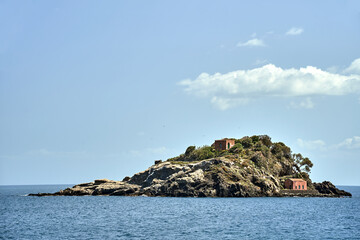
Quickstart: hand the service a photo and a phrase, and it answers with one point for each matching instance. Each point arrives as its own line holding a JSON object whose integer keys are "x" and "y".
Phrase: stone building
{"x": 295, "y": 184}
{"x": 223, "y": 144}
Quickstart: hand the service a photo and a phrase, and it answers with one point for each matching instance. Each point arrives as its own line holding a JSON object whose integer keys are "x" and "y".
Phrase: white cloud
{"x": 255, "y": 42}
{"x": 307, "y": 103}
{"x": 295, "y": 31}
{"x": 226, "y": 103}
{"x": 270, "y": 81}
{"x": 354, "y": 67}
{"x": 350, "y": 143}
{"x": 312, "y": 144}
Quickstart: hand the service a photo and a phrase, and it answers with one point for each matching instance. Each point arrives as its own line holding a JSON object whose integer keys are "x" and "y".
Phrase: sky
{"x": 92, "y": 90}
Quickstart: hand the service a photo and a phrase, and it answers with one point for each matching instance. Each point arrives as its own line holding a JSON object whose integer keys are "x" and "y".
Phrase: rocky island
{"x": 247, "y": 167}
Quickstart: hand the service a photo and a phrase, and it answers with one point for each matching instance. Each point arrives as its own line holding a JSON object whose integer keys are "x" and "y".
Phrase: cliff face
{"x": 252, "y": 168}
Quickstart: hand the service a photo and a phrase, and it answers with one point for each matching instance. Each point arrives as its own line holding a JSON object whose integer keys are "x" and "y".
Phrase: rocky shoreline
{"x": 217, "y": 177}
{"x": 247, "y": 167}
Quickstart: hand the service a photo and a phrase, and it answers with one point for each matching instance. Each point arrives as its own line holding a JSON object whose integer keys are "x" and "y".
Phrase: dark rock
{"x": 158, "y": 161}
{"x": 126, "y": 179}
{"x": 327, "y": 187}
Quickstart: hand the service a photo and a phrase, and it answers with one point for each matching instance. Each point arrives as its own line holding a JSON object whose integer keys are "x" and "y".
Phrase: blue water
{"x": 102, "y": 217}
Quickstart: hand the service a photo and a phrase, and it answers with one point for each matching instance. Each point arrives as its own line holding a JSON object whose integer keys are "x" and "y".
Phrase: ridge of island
{"x": 247, "y": 167}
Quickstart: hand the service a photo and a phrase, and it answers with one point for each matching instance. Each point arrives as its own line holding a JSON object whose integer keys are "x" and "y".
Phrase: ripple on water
{"x": 103, "y": 217}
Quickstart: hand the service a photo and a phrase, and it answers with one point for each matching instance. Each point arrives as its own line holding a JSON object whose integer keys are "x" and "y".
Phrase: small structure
{"x": 295, "y": 184}
{"x": 223, "y": 144}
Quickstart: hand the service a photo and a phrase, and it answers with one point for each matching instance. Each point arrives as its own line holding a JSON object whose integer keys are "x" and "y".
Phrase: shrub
{"x": 281, "y": 150}
{"x": 262, "y": 148}
{"x": 237, "y": 148}
{"x": 266, "y": 140}
{"x": 255, "y": 139}
{"x": 202, "y": 153}
{"x": 189, "y": 150}
{"x": 195, "y": 154}
{"x": 246, "y": 142}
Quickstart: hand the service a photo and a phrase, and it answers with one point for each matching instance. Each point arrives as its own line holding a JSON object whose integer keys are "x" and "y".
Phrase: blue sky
{"x": 94, "y": 90}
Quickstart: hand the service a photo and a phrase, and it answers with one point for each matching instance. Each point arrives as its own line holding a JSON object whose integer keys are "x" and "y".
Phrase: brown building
{"x": 223, "y": 144}
{"x": 295, "y": 184}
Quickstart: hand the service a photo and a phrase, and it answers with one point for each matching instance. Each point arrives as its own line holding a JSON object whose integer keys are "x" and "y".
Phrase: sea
{"x": 114, "y": 217}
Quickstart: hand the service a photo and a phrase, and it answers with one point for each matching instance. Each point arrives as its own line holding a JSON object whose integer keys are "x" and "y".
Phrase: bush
{"x": 255, "y": 139}
{"x": 246, "y": 142}
{"x": 189, "y": 150}
{"x": 266, "y": 140}
{"x": 195, "y": 154}
{"x": 262, "y": 148}
{"x": 237, "y": 148}
{"x": 202, "y": 153}
{"x": 281, "y": 150}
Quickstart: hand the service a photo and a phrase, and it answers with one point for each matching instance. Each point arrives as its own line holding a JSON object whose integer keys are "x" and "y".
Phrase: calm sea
{"x": 102, "y": 217}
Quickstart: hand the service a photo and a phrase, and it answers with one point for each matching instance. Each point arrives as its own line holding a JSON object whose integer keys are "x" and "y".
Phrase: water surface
{"x": 104, "y": 217}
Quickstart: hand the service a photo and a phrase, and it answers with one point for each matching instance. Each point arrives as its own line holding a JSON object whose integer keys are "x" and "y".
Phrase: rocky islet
{"x": 254, "y": 167}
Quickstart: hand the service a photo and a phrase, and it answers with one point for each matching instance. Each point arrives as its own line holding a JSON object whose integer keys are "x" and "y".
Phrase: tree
{"x": 306, "y": 164}
{"x": 301, "y": 163}
{"x": 266, "y": 140}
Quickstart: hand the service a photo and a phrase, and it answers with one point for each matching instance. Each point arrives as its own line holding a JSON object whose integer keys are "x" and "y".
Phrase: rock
{"x": 101, "y": 181}
{"x": 126, "y": 179}
{"x": 327, "y": 187}
{"x": 158, "y": 161}
{"x": 216, "y": 177}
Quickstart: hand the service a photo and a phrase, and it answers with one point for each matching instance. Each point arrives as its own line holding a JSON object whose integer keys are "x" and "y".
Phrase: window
{"x": 220, "y": 145}
{"x": 303, "y": 186}
{"x": 228, "y": 145}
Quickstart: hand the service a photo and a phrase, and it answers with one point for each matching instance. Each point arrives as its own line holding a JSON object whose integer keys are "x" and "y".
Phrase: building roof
{"x": 297, "y": 179}
{"x": 225, "y": 139}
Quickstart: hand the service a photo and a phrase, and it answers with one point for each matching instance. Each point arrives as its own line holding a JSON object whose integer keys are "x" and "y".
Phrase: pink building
{"x": 295, "y": 184}
{"x": 223, "y": 144}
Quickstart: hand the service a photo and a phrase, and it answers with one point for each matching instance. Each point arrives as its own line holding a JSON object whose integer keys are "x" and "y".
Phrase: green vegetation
{"x": 195, "y": 154}
{"x": 237, "y": 148}
{"x": 257, "y": 151}
{"x": 302, "y": 164}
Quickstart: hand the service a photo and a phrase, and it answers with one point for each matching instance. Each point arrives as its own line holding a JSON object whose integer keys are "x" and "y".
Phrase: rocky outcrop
{"x": 253, "y": 167}
{"x": 328, "y": 188}
{"x": 215, "y": 177}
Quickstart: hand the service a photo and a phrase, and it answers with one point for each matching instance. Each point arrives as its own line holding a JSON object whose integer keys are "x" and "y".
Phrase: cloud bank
{"x": 239, "y": 87}
{"x": 311, "y": 144}
{"x": 255, "y": 42}
{"x": 354, "y": 67}
{"x": 349, "y": 143}
{"x": 294, "y": 31}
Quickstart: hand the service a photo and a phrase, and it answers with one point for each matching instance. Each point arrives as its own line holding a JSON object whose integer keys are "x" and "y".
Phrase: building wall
{"x": 224, "y": 144}
{"x": 295, "y": 185}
